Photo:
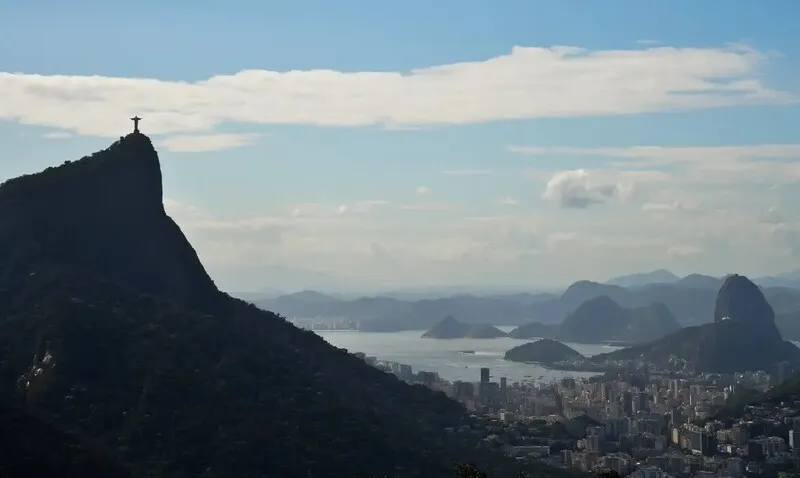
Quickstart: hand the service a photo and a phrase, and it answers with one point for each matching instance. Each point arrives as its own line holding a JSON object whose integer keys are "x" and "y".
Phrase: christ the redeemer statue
{"x": 136, "y": 120}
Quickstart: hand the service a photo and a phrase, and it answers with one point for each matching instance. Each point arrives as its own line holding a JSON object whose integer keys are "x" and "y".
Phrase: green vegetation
{"x": 787, "y": 392}
{"x": 602, "y": 319}
{"x": 33, "y": 448}
{"x": 111, "y": 330}
{"x": 181, "y": 391}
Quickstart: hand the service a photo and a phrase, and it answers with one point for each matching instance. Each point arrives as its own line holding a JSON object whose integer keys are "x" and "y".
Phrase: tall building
{"x": 605, "y": 391}
{"x": 503, "y": 383}
{"x": 428, "y": 378}
{"x": 593, "y": 444}
{"x": 484, "y": 374}
{"x": 675, "y": 417}
{"x": 641, "y": 402}
{"x": 781, "y": 372}
{"x": 627, "y": 403}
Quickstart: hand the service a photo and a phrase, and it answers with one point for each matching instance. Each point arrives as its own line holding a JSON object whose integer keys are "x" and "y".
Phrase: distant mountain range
{"x": 690, "y": 300}
{"x": 663, "y": 276}
{"x": 660, "y": 276}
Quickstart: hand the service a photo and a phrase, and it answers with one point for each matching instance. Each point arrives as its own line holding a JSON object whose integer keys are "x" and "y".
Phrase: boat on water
{"x": 467, "y": 352}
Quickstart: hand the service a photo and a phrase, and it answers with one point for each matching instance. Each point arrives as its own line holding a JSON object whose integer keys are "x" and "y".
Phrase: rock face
{"x": 742, "y": 337}
{"x": 450, "y": 328}
{"x": 104, "y": 213}
{"x": 602, "y": 319}
{"x": 544, "y": 351}
{"x": 107, "y": 312}
{"x": 742, "y": 301}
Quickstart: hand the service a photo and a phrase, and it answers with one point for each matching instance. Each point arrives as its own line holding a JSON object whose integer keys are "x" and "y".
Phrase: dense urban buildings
{"x": 648, "y": 424}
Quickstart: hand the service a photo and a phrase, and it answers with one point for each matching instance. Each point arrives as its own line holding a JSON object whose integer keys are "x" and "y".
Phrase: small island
{"x": 545, "y": 351}
{"x": 450, "y": 328}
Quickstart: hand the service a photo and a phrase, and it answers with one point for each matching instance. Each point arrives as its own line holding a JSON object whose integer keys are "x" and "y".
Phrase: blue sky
{"x": 412, "y": 144}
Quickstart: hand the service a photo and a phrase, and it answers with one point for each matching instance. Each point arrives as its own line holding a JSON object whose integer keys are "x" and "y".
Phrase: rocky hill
{"x": 111, "y": 329}
{"x": 742, "y": 337}
{"x": 105, "y": 214}
{"x": 450, "y": 328}
{"x": 601, "y": 319}
{"x": 544, "y": 351}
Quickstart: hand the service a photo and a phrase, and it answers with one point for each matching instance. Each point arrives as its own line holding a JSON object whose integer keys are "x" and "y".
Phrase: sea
{"x": 448, "y": 357}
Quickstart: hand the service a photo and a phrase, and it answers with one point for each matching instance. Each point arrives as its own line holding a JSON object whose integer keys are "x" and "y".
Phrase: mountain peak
{"x": 741, "y": 300}
{"x": 103, "y": 213}
{"x": 129, "y": 166}
{"x": 742, "y": 337}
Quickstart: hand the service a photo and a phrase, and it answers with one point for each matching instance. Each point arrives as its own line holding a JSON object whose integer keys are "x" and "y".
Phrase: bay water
{"x": 453, "y": 359}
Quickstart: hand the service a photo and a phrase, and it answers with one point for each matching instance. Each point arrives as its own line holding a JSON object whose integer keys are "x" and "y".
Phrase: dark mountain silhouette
{"x": 104, "y": 214}
{"x": 660, "y": 276}
{"x": 32, "y": 448}
{"x": 111, "y": 329}
{"x": 450, "y": 328}
{"x": 544, "y": 351}
{"x": 742, "y": 337}
{"x": 601, "y": 319}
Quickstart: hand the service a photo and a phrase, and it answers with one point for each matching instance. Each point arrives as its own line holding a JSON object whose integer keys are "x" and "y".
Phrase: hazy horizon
{"x": 275, "y": 281}
{"x": 432, "y": 144}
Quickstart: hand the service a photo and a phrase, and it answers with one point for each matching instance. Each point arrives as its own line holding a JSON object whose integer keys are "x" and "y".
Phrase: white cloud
{"x": 509, "y": 201}
{"x": 556, "y": 238}
{"x": 748, "y": 164}
{"x": 667, "y": 207}
{"x": 468, "y": 172}
{"x": 196, "y": 143}
{"x": 368, "y": 205}
{"x": 321, "y": 210}
{"x": 57, "y": 135}
{"x": 774, "y": 215}
{"x": 574, "y": 189}
{"x": 666, "y": 155}
{"x": 528, "y": 82}
{"x": 178, "y": 209}
{"x": 427, "y": 207}
{"x": 684, "y": 250}
{"x": 580, "y": 188}
{"x": 503, "y": 249}
{"x": 423, "y": 190}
